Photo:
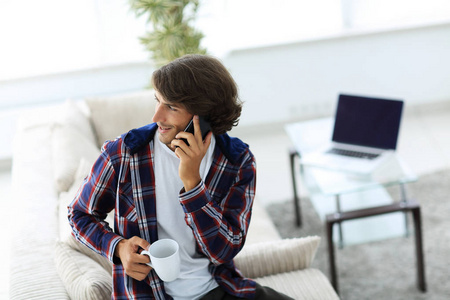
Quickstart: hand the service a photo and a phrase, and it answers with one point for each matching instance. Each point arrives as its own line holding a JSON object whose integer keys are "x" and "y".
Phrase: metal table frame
{"x": 406, "y": 206}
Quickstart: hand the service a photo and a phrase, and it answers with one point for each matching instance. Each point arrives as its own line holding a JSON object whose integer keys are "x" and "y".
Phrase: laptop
{"x": 364, "y": 136}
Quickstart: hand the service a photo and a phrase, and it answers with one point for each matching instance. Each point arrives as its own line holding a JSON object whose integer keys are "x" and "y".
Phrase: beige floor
{"x": 424, "y": 144}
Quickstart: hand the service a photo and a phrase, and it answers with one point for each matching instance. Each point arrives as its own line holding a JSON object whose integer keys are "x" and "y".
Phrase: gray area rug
{"x": 385, "y": 269}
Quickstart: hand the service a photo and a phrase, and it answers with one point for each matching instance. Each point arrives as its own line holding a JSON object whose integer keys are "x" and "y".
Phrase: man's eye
{"x": 171, "y": 107}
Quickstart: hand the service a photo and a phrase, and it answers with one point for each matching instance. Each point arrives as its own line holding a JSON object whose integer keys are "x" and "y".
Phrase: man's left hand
{"x": 191, "y": 156}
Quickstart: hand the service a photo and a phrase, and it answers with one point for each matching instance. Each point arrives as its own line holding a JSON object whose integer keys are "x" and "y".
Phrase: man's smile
{"x": 164, "y": 129}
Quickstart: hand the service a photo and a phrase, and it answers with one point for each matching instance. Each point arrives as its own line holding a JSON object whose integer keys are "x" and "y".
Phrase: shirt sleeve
{"x": 94, "y": 200}
{"x": 220, "y": 227}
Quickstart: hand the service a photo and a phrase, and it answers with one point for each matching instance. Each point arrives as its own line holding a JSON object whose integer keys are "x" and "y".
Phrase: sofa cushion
{"x": 34, "y": 223}
{"x": 71, "y": 141}
{"x": 65, "y": 198}
{"x": 308, "y": 284}
{"x": 68, "y": 147}
{"x": 101, "y": 260}
{"x": 266, "y": 258}
{"x": 261, "y": 227}
{"x": 76, "y": 115}
{"x": 113, "y": 116}
{"x": 83, "y": 278}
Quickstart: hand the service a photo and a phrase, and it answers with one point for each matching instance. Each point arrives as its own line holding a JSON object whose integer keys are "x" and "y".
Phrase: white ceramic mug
{"x": 164, "y": 258}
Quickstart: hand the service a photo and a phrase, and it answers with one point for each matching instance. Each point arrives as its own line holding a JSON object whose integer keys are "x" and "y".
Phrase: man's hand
{"x": 191, "y": 156}
{"x": 133, "y": 262}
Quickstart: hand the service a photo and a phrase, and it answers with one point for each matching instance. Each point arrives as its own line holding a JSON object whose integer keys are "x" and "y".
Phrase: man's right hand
{"x": 133, "y": 263}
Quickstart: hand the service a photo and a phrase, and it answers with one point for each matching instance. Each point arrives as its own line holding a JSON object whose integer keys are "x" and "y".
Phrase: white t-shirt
{"x": 195, "y": 280}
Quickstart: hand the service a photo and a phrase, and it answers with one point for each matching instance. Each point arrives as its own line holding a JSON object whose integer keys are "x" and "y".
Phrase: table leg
{"x": 333, "y": 273}
{"x": 298, "y": 219}
{"x": 338, "y": 210}
{"x": 421, "y": 284}
{"x": 411, "y": 206}
{"x": 404, "y": 199}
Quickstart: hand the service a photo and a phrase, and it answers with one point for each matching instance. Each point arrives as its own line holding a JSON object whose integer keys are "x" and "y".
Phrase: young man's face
{"x": 171, "y": 119}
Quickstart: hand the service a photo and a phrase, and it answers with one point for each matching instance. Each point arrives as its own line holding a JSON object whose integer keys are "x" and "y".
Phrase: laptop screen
{"x": 369, "y": 122}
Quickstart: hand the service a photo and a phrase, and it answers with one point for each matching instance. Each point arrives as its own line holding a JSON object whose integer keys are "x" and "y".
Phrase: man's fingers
{"x": 143, "y": 243}
{"x": 191, "y": 140}
{"x": 137, "y": 242}
{"x": 207, "y": 140}
{"x": 140, "y": 265}
{"x": 139, "y": 272}
{"x": 141, "y": 258}
{"x": 137, "y": 267}
{"x": 197, "y": 129}
{"x": 179, "y": 143}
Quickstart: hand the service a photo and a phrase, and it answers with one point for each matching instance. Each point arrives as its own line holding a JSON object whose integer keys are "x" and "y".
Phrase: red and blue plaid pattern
{"x": 218, "y": 210}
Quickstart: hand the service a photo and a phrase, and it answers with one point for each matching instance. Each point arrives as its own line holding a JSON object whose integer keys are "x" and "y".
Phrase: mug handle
{"x": 145, "y": 252}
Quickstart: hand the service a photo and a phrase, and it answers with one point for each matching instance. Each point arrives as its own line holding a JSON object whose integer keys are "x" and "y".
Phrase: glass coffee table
{"x": 335, "y": 191}
{"x": 360, "y": 206}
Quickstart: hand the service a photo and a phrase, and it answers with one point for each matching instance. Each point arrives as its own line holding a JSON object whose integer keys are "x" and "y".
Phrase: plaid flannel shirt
{"x": 218, "y": 210}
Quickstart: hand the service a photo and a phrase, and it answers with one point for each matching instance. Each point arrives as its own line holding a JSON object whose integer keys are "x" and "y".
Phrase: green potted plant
{"x": 173, "y": 34}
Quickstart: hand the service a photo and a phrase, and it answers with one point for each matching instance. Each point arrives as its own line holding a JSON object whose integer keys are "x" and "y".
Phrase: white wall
{"x": 279, "y": 84}
{"x": 301, "y": 80}
{"x": 77, "y": 84}
{"x": 22, "y": 94}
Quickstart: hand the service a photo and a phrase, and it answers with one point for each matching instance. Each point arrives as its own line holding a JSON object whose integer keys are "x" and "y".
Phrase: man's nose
{"x": 158, "y": 116}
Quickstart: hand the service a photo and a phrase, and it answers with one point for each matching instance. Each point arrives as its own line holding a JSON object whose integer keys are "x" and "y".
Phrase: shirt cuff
{"x": 112, "y": 249}
{"x": 194, "y": 199}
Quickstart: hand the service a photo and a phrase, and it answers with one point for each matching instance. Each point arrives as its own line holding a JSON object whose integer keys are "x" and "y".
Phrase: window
{"x": 229, "y": 24}
{"x": 389, "y": 13}
{"x": 54, "y": 36}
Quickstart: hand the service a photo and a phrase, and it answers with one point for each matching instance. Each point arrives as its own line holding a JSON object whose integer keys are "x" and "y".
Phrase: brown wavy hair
{"x": 203, "y": 86}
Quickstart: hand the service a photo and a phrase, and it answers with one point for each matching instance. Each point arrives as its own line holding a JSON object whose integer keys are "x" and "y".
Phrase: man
{"x": 199, "y": 193}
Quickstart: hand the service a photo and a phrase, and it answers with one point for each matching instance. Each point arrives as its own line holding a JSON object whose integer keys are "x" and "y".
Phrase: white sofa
{"x": 54, "y": 148}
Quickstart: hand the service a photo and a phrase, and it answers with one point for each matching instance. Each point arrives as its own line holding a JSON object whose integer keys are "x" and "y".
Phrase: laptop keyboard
{"x": 351, "y": 153}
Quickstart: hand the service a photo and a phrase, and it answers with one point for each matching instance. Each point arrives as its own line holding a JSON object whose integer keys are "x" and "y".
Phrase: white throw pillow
{"x": 72, "y": 139}
{"x": 113, "y": 116}
{"x": 75, "y": 114}
{"x": 307, "y": 284}
{"x": 69, "y": 146}
{"x": 65, "y": 198}
{"x": 105, "y": 263}
{"x": 268, "y": 258}
{"x": 83, "y": 278}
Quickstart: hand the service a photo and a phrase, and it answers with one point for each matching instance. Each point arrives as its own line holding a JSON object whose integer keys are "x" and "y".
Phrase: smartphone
{"x": 204, "y": 127}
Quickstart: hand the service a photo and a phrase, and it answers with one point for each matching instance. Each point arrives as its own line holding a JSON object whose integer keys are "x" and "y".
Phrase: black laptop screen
{"x": 369, "y": 122}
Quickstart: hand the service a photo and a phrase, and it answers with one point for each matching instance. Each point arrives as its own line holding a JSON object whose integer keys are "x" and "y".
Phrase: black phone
{"x": 204, "y": 127}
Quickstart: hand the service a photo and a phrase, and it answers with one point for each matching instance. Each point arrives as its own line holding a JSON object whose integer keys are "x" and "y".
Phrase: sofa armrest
{"x": 82, "y": 276}
{"x": 267, "y": 258}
